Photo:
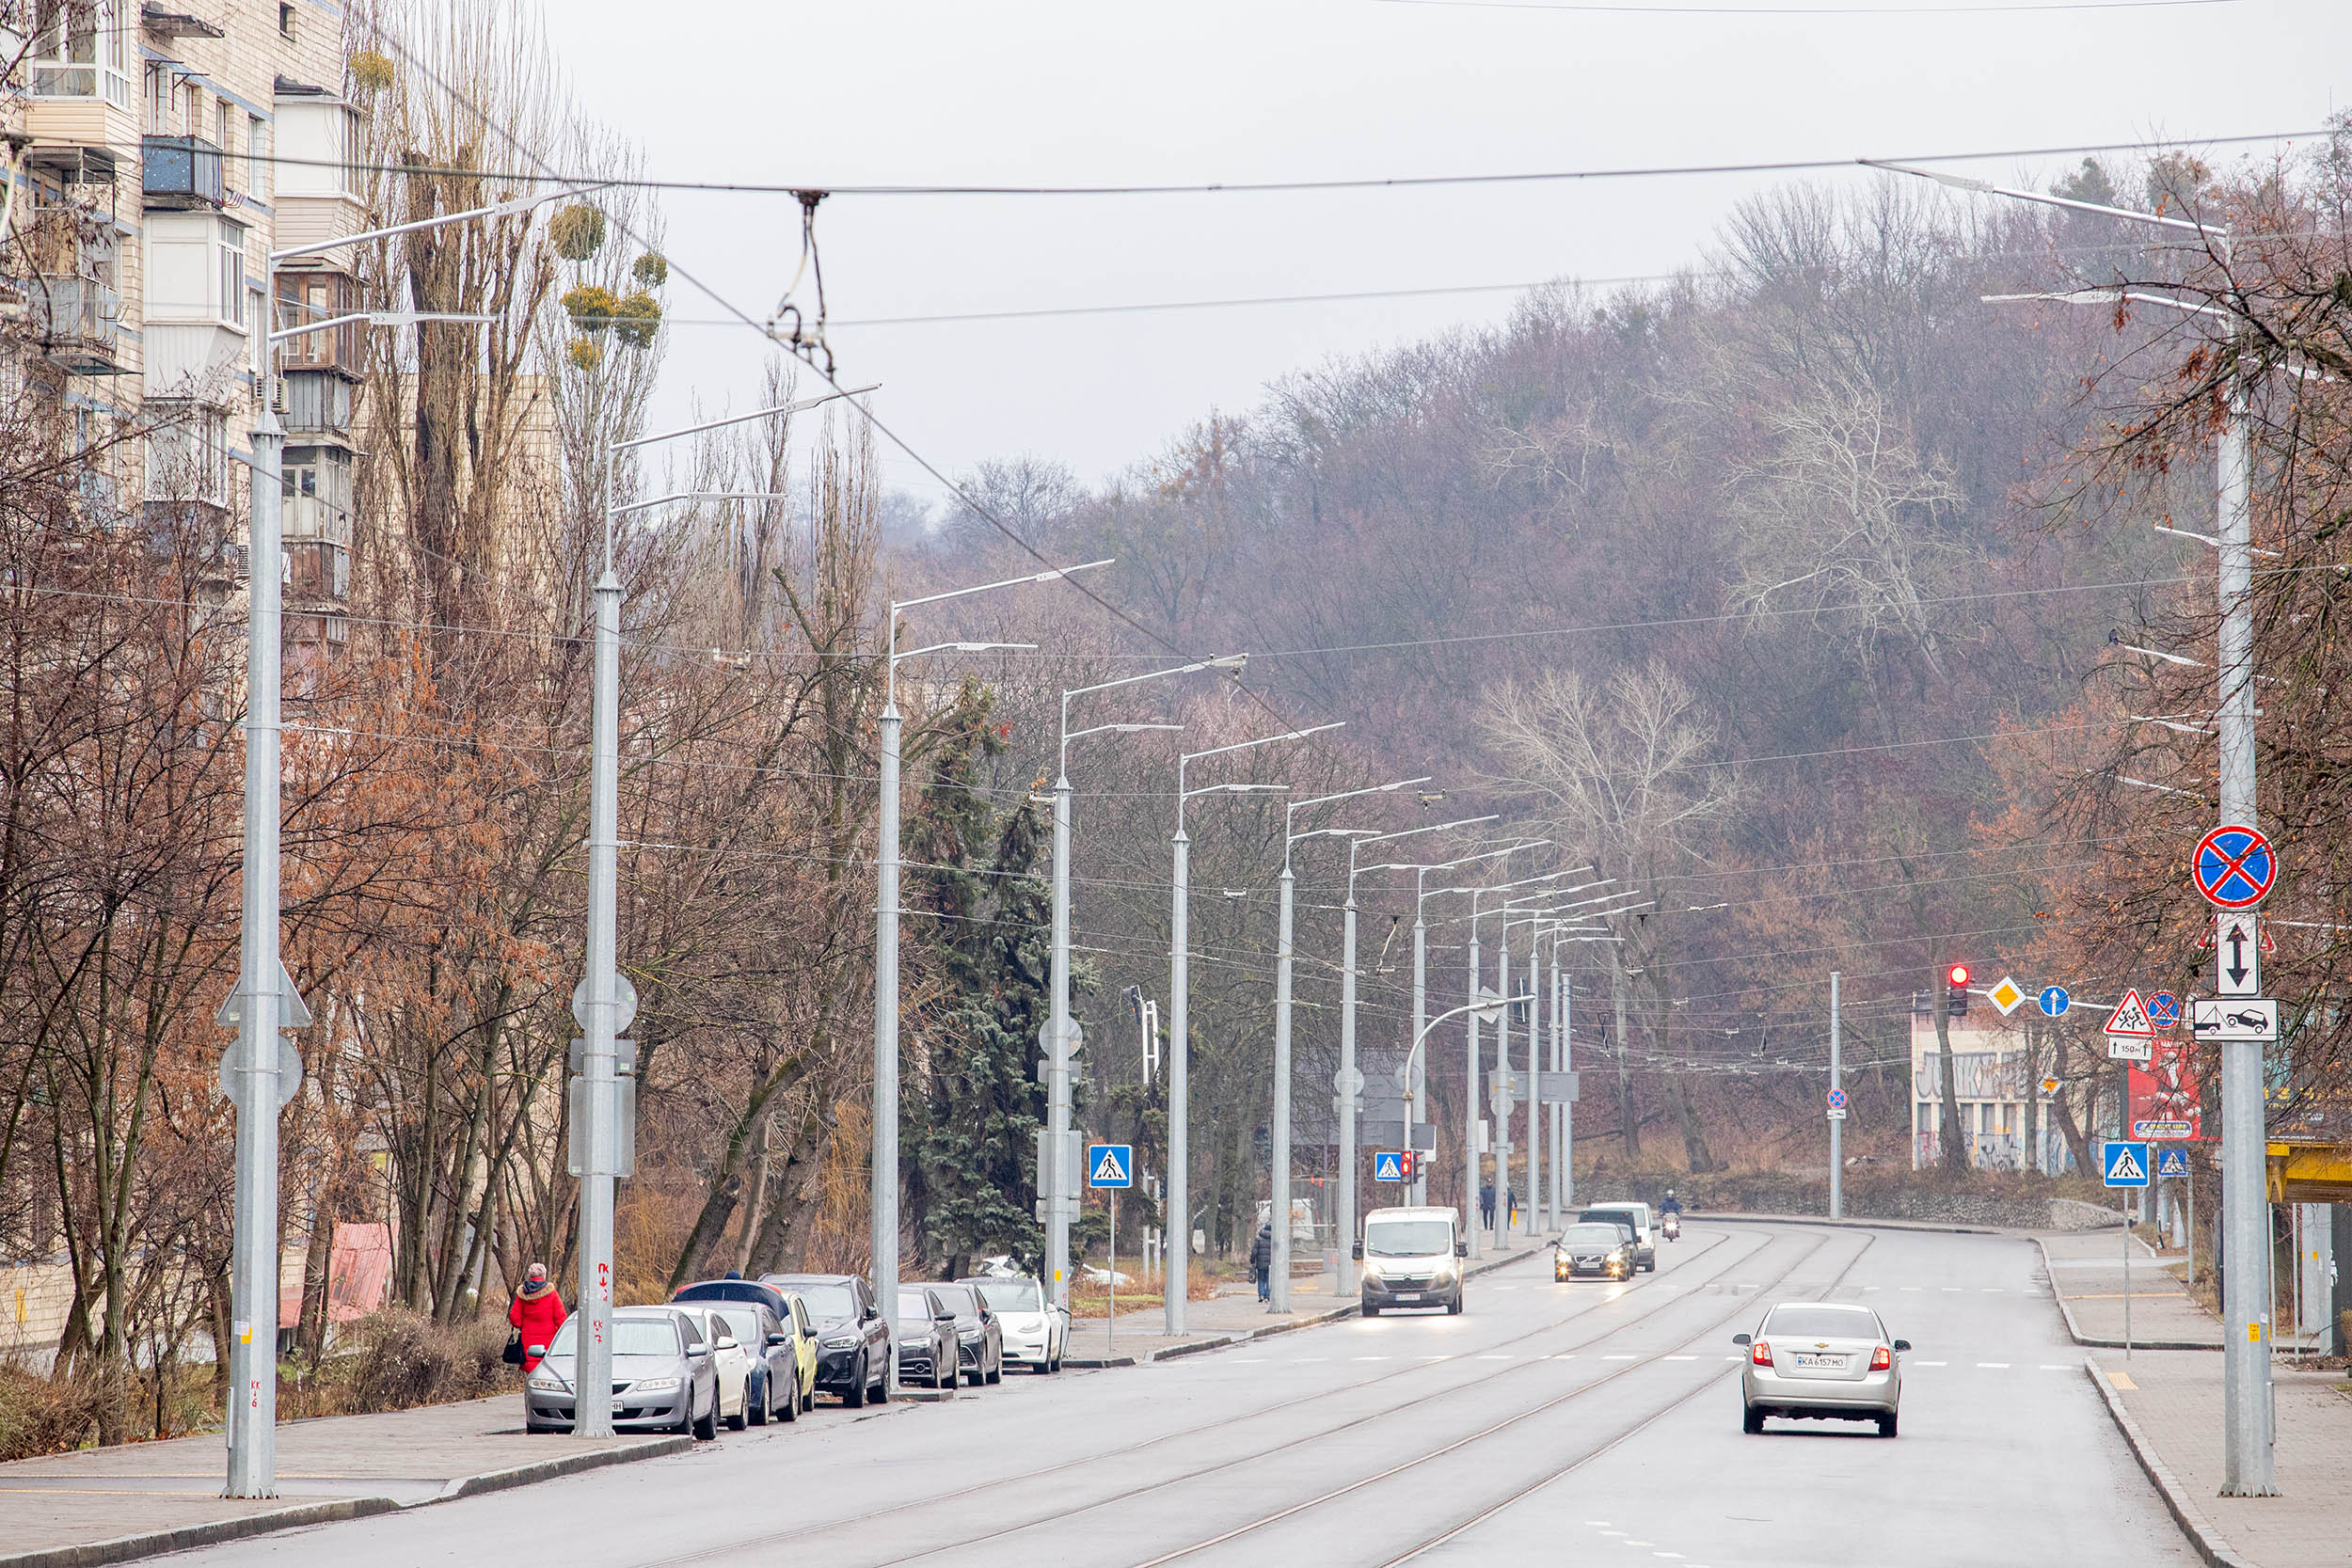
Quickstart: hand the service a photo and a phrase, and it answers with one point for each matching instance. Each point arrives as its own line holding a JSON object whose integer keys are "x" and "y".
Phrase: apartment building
{"x": 1993, "y": 1081}
{"x": 156, "y": 159}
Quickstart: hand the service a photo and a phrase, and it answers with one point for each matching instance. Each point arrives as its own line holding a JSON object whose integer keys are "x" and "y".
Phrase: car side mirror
{"x": 1461, "y": 1249}
{"x": 871, "y": 1314}
{"x": 944, "y": 1315}
{"x": 1902, "y": 1344}
{"x": 725, "y": 1341}
{"x": 698, "y": 1350}
{"x": 1742, "y": 1340}
{"x": 1359, "y": 1251}
{"x": 775, "y": 1340}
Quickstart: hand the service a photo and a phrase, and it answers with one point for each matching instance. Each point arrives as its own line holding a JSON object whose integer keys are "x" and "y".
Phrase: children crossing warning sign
{"x": 2129, "y": 1018}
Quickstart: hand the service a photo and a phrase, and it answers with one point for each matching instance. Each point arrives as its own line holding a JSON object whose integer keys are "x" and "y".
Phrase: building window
{"x": 232, "y": 276}
{"x": 285, "y": 21}
{"x": 258, "y": 177}
{"x": 80, "y": 51}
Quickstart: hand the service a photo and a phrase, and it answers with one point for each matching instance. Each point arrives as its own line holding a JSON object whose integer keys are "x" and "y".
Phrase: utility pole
{"x": 1564, "y": 1116}
{"x": 1278, "y": 1177}
{"x": 1535, "y": 1078}
{"x": 254, "y": 1076}
{"x": 1470, "y": 1100}
{"x": 1837, "y": 1123}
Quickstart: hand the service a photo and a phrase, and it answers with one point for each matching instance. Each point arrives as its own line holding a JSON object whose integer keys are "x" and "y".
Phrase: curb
{"x": 2079, "y": 1337}
{"x": 126, "y": 1548}
{"x": 2193, "y": 1523}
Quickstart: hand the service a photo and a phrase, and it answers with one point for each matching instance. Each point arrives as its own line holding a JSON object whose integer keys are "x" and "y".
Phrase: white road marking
{"x": 1370, "y": 1359}
{"x": 1874, "y": 1287}
{"x": 1992, "y": 1366}
{"x": 2056, "y": 1367}
{"x": 1993, "y": 1290}
{"x": 1954, "y": 1290}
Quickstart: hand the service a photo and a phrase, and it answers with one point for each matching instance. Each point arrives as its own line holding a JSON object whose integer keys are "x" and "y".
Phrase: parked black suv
{"x": 852, "y": 1335}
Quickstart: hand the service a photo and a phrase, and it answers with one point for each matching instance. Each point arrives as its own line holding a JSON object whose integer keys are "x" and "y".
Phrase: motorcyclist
{"x": 1670, "y": 1204}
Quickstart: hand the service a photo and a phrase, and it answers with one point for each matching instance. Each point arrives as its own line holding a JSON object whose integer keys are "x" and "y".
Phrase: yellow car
{"x": 802, "y": 1331}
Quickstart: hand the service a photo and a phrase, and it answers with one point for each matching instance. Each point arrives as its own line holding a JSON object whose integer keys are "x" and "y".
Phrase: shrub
{"x": 40, "y": 1415}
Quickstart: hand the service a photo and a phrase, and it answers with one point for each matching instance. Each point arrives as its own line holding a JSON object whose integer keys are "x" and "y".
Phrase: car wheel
{"x": 1887, "y": 1424}
{"x": 707, "y": 1426}
{"x": 756, "y": 1400}
{"x": 1368, "y": 1310}
{"x": 1751, "y": 1419}
{"x": 854, "y": 1395}
{"x": 882, "y": 1388}
{"x": 741, "y": 1418}
{"x": 1455, "y": 1307}
{"x": 996, "y": 1370}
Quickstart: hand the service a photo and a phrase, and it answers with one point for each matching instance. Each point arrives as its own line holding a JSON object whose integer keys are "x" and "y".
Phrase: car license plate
{"x": 1408, "y": 1295}
{"x": 619, "y": 1405}
{"x": 1827, "y": 1363}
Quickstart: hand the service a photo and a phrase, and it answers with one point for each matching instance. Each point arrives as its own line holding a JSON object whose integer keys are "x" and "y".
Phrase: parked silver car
{"x": 662, "y": 1376}
{"x": 1822, "y": 1360}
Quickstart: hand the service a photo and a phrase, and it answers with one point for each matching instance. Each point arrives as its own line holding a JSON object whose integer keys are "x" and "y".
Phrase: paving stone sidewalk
{"x": 2169, "y": 1403}
{"x": 110, "y": 1505}
{"x": 2088, "y": 1274}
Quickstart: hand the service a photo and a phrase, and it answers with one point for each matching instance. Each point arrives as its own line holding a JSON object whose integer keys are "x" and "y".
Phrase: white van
{"x": 1411, "y": 1257}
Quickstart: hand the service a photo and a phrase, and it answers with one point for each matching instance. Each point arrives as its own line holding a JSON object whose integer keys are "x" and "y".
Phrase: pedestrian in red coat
{"x": 537, "y": 1313}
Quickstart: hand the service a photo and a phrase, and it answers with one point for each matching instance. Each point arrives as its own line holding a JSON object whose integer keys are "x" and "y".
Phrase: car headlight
{"x": 840, "y": 1341}
{"x": 655, "y": 1386}
{"x": 547, "y": 1383}
{"x": 969, "y": 1334}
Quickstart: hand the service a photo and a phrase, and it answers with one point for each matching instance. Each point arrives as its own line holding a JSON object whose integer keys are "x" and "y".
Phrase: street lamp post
{"x": 883, "y": 1181}
{"x": 1278, "y": 1184}
{"x": 1177, "y": 1283}
{"x": 1056, "y": 1179}
{"x": 2247, "y": 1415}
{"x": 1345, "y": 1221}
{"x": 1415, "y": 1076}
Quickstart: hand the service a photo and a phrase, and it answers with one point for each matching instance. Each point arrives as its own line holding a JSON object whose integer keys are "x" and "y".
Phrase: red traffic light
{"x": 1959, "y": 975}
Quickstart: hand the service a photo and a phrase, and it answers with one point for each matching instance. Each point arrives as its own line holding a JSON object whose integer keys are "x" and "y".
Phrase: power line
{"x": 1276, "y": 187}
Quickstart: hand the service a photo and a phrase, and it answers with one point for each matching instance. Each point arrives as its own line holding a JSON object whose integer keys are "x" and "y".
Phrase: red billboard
{"x": 2164, "y": 1095}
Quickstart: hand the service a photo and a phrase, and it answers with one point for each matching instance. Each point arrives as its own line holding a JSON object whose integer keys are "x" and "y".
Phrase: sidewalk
{"x": 2169, "y": 1405}
{"x": 110, "y": 1505}
{"x": 1234, "y": 1314}
{"x": 2087, "y": 1277}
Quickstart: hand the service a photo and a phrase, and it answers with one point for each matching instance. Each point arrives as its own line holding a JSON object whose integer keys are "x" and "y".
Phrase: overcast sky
{"x": 1106, "y": 92}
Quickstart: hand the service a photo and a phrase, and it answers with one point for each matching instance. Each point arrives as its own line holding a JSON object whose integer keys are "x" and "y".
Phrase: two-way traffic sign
{"x": 2123, "y": 1163}
{"x": 1110, "y": 1164}
{"x": 2237, "y": 948}
{"x": 1387, "y": 1166}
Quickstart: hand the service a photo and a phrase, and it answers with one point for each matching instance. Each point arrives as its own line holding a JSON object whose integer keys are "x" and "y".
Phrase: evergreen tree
{"x": 971, "y": 1176}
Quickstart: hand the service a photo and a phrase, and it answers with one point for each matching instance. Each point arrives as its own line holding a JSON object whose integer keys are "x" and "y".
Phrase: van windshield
{"x": 1407, "y": 1239}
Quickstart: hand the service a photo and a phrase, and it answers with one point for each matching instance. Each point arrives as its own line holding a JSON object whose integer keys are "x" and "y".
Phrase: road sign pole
{"x": 882, "y": 1182}
{"x": 1110, "y": 1316}
{"x": 1565, "y": 1168}
{"x": 1500, "y": 1104}
{"x": 1836, "y": 1124}
{"x": 1535, "y": 1069}
{"x": 1416, "y": 1066}
{"x": 2127, "y": 1279}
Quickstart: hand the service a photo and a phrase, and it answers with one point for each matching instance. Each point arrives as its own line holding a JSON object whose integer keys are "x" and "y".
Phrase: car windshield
{"x": 1407, "y": 1239}
{"x": 961, "y": 1299}
{"x": 630, "y": 1337}
{"x": 1610, "y": 1216}
{"x": 913, "y": 1308}
{"x": 1010, "y": 1296}
{"x": 1591, "y": 1235}
{"x": 828, "y": 1303}
{"x": 740, "y": 1324}
{"x": 1822, "y": 1323}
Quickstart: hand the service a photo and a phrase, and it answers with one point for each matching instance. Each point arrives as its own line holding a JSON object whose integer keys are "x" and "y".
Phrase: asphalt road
{"x": 1583, "y": 1422}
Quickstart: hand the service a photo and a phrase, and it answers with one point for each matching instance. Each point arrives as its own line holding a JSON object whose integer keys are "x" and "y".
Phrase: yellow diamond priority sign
{"x": 2006, "y": 996}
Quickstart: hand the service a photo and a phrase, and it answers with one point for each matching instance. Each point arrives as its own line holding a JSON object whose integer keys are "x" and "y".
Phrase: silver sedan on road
{"x": 1822, "y": 1360}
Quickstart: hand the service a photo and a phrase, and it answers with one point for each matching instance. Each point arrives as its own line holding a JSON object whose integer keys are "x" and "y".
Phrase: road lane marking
{"x": 1992, "y": 1366}
{"x": 1954, "y": 1290}
{"x": 1370, "y": 1359}
{"x": 1874, "y": 1287}
{"x": 2056, "y": 1367}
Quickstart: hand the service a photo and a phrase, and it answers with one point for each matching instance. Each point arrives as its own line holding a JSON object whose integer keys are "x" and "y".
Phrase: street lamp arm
{"x": 1054, "y": 575}
{"x": 968, "y": 648}
{"x": 380, "y": 318}
{"x": 1116, "y": 729}
{"x": 1981, "y": 187}
{"x": 494, "y": 210}
{"x": 800, "y": 406}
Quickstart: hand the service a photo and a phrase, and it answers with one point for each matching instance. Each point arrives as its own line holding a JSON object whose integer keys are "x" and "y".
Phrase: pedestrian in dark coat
{"x": 1262, "y": 1260}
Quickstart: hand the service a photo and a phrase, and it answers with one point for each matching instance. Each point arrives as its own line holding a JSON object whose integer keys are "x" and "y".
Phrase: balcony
{"x": 180, "y": 173}
{"x": 316, "y": 403}
{"x": 74, "y": 319}
{"x": 317, "y": 570}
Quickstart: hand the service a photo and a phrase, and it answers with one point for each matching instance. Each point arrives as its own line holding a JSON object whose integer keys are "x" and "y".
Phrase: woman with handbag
{"x": 536, "y": 1313}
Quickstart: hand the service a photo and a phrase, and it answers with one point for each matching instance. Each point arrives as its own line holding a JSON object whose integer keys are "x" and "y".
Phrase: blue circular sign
{"x": 2234, "y": 867}
{"x": 2055, "y": 1001}
{"x": 2164, "y": 1009}
{"x": 1836, "y": 1100}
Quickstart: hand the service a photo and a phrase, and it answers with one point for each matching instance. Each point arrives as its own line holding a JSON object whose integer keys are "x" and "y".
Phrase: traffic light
{"x": 1958, "y": 976}
{"x": 1409, "y": 1164}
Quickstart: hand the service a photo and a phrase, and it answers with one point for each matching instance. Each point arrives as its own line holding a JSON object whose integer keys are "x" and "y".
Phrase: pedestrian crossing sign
{"x": 1110, "y": 1164}
{"x": 2172, "y": 1161}
{"x": 2125, "y": 1163}
{"x": 1387, "y": 1166}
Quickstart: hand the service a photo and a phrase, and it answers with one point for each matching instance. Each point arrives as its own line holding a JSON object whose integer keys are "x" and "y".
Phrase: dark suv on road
{"x": 852, "y": 1335}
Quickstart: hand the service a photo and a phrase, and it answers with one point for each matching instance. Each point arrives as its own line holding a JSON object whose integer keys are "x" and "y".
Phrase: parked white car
{"x": 1037, "y": 1333}
{"x": 729, "y": 1360}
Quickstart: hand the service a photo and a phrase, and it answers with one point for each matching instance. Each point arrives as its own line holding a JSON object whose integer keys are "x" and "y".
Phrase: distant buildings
{"x": 1995, "y": 1075}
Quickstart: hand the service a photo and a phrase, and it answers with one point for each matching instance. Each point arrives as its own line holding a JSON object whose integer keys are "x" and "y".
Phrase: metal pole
{"x": 1278, "y": 1208}
{"x": 591, "y": 1416}
{"x": 1501, "y": 1103}
{"x": 1470, "y": 1100}
{"x": 1177, "y": 1218}
{"x": 253, "y": 1281}
{"x": 1110, "y": 1315}
{"x": 1838, "y": 1124}
{"x": 2247, "y": 1466}
{"x": 2126, "y": 1207}
{"x": 1343, "y": 1252}
{"x": 1052, "y": 1174}
{"x": 883, "y": 1182}
{"x": 1415, "y": 1074}
{"x": 1565, "y": 1171}
{"x": 1534, "y": 1066}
